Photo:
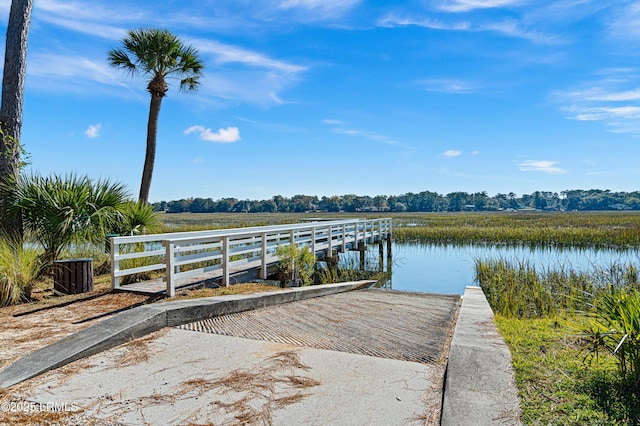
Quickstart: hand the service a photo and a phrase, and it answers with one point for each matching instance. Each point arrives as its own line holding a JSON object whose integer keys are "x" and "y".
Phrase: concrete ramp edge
{"x": 480, "y": 383}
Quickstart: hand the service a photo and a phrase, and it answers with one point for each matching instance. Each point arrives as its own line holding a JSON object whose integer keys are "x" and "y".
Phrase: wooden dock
{"x": 225, "y": 256}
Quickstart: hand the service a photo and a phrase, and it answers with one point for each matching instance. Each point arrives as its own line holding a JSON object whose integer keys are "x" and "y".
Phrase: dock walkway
{"x": 226, "y": 256}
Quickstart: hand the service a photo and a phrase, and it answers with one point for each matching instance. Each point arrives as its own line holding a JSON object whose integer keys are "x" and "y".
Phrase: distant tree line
{"x": 426, "y": 201}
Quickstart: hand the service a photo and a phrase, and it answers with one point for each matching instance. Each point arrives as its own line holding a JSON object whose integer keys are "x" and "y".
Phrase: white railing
{"x": 181, "y": 254}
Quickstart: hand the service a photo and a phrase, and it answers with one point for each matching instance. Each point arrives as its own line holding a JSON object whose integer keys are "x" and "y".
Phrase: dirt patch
{"x": 29, "y": 331}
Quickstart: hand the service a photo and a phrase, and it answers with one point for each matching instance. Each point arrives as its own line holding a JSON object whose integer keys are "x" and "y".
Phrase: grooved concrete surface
{"x": 385, "y": 324}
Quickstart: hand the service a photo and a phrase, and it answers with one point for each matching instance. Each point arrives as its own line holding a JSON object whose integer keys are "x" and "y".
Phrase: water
{"x": 448, "y": 269}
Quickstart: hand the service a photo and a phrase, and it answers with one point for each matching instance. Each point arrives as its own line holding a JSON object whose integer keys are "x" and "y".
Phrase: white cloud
{"x": 626, "y": 23}
{"x": 451, "y": 153}
{"x": 368, "y": 135}
{"x": 468, "y": 5}
{"x": 509, "y": 28}
{"x": 331, "y": 121}
{"x": 228, "y": 135}
{"x": 447, "y": 85}
{"x": 391, "y": 21}
{"x": 198, "y": 160}
{"x": 313, "y": 10}
{"x": 225, "y": 53}
{"x": 475, "y": 152}
{"x": 93, "y": 131}
{"x": 611, "y": 99}
{"x": 540, "y": 166}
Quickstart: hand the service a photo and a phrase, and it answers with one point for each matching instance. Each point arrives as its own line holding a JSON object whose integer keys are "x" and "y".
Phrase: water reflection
{"x": 448, "y": 269}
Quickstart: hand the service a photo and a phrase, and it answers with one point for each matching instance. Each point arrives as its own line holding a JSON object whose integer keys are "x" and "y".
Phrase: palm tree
{"x": 13, "y": 76}
{"x": 156, "y": 54}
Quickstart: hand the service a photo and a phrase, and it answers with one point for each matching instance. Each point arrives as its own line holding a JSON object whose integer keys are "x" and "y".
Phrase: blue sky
{"x": 332, "y": 97}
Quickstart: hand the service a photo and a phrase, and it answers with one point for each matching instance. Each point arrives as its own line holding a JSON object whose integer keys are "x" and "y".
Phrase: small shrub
{"x": 296, "y": 264}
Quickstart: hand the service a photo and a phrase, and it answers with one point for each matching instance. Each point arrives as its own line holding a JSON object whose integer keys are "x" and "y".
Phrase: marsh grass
{"x": 566, "y": 229}
{"x": 517, "y": 288}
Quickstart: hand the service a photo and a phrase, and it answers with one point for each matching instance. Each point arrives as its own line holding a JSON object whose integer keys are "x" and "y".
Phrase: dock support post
{"x": 389, "y": 252}
{"x": 380, "y": 255}
{"x": 362, "y": 249}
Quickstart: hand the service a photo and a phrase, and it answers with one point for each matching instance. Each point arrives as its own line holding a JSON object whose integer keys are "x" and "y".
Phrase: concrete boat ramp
{"x": 340, "y": 354}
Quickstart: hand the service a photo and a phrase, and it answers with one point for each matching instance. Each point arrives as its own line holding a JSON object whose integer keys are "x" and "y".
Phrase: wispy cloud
{"x": 544, "y": 166}
{"x": 613, "y": 99}
{"x": 447, "y": 85}
{"x": 509, "y": 28}
{"x": 313, "y": 10}
{"x": 367, "y": 135}
{"x": 451, "y": 153}
{"x": 224, "y": 53}
{"x": 93, "y": 131}
{"x": 228, "y": 135}
{"x": 393, "y": 20}
{"x": 469, "y": 5}
{"x": 625, "y": 23}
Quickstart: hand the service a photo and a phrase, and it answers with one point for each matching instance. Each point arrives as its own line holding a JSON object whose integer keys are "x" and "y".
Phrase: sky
{"x": 334, "y": 97}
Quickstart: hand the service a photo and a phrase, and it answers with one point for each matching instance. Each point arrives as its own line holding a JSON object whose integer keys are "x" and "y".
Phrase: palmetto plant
{"x": 157, "y": 55}
{"x": 615, "y": 326}
{"x": 135, "y": 219}
{"x": 59, "y": 210}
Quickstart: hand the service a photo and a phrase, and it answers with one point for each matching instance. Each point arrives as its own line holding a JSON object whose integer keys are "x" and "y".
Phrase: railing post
{"x": 344, "y": 238}
{"x": 292, "y": 238}
{"x": 330, "y": 240}
{"x": 169, "y": 269}
{"x": 313, "y": 240}
{"x": 115, "y": 264}
{"x": 225, "y": 261}
{"x": 366, "y": 226}
{"x": 264, "y": 256}
{"x": 355, "y": 234}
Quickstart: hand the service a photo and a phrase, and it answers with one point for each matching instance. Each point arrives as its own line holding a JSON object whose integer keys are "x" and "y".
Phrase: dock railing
{"x": 183, "y": 254}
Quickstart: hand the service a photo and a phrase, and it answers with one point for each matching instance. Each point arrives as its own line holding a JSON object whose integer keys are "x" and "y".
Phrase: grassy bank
{"x": 573, "y": 338}
{"x": 557, "y": 384}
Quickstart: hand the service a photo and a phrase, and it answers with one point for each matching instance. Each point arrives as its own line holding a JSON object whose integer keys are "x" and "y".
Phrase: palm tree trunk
{"x": 152, "y": 132}
{"x": 15, "y": 68}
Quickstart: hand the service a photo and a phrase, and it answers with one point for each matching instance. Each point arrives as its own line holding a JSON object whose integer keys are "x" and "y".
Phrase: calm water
{"x": 448, "y": 269}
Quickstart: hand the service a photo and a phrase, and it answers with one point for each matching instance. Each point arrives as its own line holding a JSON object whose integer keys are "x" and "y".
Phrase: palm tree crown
{"x": 156, "y": 54}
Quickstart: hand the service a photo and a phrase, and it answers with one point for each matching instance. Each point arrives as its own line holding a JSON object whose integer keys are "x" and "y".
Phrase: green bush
{"x": 296, "y": 264}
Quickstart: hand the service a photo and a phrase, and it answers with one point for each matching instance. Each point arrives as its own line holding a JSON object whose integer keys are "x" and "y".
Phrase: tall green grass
{"x": 607, "y": 297}
{"x": 19, "y": 269}
{"x": 516, "y": 288}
